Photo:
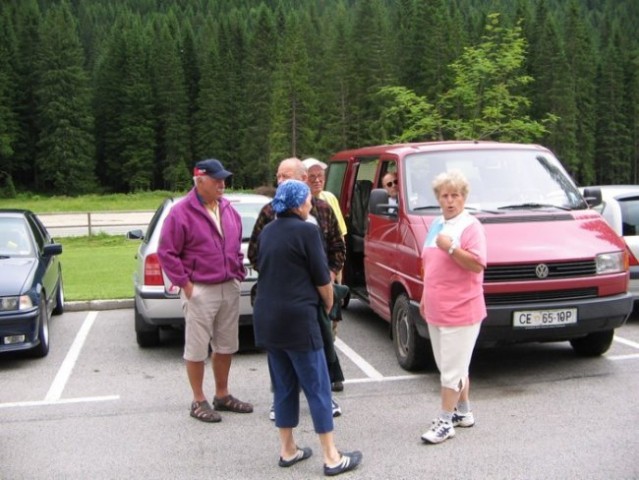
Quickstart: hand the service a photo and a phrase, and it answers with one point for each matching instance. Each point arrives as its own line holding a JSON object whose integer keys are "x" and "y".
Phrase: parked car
{"x": 620, "y": 208}
{"x": 556, "y": 270}
{"x": 31, "y": 287}
{"x": 157, "y": 302}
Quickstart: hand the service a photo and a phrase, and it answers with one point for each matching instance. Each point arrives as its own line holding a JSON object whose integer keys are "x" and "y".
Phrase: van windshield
{"x": 500, "y": 180}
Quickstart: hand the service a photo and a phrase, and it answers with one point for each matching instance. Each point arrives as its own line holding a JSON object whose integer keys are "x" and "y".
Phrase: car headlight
{"x": 610, "y": 262}
{"x": 23, "y": 302}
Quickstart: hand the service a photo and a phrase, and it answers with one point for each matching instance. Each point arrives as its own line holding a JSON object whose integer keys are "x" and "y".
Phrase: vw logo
{"x": 541, "y": 270}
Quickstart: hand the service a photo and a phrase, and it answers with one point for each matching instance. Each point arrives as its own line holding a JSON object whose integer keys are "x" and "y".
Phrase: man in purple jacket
{"x": 200, "y": 253}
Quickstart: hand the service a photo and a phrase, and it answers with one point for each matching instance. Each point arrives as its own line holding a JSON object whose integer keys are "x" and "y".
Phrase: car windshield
{"x": 500, "y": 180}
{"x": 14, "y": 238}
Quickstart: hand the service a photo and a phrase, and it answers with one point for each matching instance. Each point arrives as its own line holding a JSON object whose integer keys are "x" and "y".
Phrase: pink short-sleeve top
{"x": 453, "y": 296}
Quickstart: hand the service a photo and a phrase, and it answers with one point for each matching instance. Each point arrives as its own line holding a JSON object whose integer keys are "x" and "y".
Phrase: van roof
{"x": 401, "y": 149}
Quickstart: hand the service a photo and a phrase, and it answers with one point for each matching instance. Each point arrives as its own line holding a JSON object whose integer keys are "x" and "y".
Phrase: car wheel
{"x": 410, "y": 348}
{"x": 42, "y": 349}
{"x": 593, "y": 344}
{"x": 59, "y": 298}
{"x": 146, "y": 335}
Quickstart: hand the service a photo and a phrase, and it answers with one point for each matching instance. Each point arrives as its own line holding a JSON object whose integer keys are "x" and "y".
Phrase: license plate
{"x": 544, "y": 318}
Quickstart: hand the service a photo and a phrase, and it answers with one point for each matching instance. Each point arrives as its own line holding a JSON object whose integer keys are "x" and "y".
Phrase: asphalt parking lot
{"x": 99, "y": 407}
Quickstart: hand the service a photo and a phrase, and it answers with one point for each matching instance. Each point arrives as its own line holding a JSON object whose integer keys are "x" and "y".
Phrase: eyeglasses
{"x": 316, "y": 178}
{"x": 390, "y": 184}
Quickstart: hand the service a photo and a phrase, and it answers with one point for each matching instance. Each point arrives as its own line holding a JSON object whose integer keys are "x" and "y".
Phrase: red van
{"x": 556, "y": 270}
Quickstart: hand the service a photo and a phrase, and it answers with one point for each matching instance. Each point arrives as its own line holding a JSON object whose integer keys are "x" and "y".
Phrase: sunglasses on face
{"x": 390, "y": 184}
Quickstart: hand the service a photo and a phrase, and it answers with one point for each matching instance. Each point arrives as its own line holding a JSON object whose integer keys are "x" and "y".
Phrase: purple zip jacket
{"x": 191, "y": 247}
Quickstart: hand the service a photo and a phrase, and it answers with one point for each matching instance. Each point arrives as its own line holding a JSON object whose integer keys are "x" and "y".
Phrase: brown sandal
{"x": 231, "y": 404}
{"x": 203, "y": 412}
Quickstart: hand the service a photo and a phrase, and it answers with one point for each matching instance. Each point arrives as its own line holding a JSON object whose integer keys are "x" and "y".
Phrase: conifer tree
{"x": 371, "y": 49}
{"x": 555, "y": 90}
{"x": 613, "y": 136}
{"x": 293, "y": 101}
{"x": 26, "y": 17}
{"x": 230, "y": 77}
{"x": 256, "y": 167}
{"x": 8, "y": 119}
{"x": 66, "y": 151}
{"x": 125, "y": 119}
{"x": 210, "y": 128}
{"x": 632, "y": 114}
{"x": 191, "y": 69}
{"x": 171, "y": 108}
{"x": 336, "y": 107}
{"x": 582, "y": 65}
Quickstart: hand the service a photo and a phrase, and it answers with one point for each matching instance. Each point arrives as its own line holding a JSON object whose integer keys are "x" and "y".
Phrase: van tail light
{"x": 153, "y": 270}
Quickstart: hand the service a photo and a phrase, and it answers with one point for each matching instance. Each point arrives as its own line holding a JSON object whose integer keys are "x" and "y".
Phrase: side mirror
{"x": 52, "y": 249}
{"x": 378, "y": 203}
{"x": 136, "y": 234}
{"x": 592, "y": 195}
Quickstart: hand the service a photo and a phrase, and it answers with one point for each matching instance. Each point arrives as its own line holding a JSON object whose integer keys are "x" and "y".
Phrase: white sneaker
{"x": 271, "y": 413}
{"x": 463, "y": 419}
{"x": 439, "y": 431}
{"x": 337, "y": 410}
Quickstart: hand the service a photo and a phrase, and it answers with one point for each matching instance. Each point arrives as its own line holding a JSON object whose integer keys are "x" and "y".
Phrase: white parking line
{"x": 631, "y": 356}
{"x": 61, "y": 379}
{"x": 629, "y": 343}
{"x": 54, "y": 394}
{"x": 625, "y": 341}
{"x": 363, "y": 365}
{"x": 39, "y": 403}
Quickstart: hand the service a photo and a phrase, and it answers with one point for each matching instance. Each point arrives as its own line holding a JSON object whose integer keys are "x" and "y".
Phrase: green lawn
{"x": 98, "y": 267}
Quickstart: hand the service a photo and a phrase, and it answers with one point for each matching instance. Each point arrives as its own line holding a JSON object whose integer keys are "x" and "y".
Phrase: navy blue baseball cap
{"x": 211, "y": 167}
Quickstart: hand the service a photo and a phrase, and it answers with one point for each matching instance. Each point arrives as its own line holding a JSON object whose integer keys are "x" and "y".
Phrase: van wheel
{"x": 410, "y": 347}
{"x": 593, "y": 344}
{"x": 146, "y": 335}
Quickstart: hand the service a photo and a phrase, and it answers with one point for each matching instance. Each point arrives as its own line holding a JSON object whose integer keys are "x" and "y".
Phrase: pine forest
{"x": 125, "y": 96}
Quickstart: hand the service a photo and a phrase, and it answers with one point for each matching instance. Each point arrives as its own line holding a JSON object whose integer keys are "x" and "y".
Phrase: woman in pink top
{"x": 454, "y": 258}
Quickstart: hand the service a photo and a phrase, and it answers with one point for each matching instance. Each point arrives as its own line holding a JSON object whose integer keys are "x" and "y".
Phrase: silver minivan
{"x": 157, "y": 302}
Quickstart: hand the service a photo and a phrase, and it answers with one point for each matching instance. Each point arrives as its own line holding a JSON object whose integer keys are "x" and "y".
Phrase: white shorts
{"x": 211, "y": 317}
{"x": 453, "y": 350}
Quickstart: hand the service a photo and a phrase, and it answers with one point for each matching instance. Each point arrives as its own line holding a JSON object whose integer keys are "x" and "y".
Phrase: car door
{"x": 48, "y": 265}
{"x": 381, "y": 246}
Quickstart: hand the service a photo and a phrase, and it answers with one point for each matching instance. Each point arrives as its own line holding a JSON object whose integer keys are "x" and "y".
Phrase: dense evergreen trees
{"x": 128, "y": 95}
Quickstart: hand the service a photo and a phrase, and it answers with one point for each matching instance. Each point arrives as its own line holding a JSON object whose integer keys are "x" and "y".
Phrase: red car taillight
{"x": 153, "y": 270}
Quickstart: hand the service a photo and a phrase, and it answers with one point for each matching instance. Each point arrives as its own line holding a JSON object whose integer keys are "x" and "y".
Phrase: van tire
{"x": 593, "y": 344}
{"x": 410, "y": 348}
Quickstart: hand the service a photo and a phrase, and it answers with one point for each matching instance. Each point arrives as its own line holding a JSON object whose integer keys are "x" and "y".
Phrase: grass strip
{"x": 99, "y": 267}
